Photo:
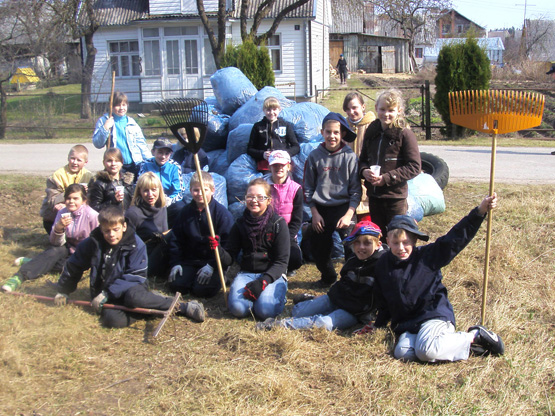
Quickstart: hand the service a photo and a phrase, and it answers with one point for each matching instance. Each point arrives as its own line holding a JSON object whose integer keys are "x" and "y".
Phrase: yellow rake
{"x": 495, "y": 112}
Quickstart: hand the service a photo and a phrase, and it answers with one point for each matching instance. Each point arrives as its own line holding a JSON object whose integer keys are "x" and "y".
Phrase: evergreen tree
{"x": 460, "y": 66}
{"x": 253, "y": 61}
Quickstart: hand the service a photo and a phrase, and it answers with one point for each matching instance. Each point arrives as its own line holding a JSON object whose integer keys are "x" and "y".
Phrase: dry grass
{"x": 60, "y": 361}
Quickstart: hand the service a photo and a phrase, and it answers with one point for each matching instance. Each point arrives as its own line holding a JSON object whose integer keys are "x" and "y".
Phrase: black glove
{"x": 254, "y": 289}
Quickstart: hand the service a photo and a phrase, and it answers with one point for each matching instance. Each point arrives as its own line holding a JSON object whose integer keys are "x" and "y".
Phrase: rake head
{"x": 496, "y": 111}
{"x": 187, "y": 118}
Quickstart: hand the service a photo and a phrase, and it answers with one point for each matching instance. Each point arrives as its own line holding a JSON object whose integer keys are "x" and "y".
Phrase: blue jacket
{"x": 135, "y": 138}
{"x": 170, "y": 176}
{"x": 125, "y": 265}
{"x": 410, "y": 292}
{"x": 189, "y": 240}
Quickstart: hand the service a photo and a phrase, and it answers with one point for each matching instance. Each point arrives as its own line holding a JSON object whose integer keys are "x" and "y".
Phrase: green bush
{"x": 461, "y": 66}
{"x": 253, "y": 61}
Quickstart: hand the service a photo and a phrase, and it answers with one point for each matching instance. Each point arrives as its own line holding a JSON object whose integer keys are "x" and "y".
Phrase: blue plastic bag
{"x": 299, "y": 160}
{"x": 251, "y": 111}
{"x": 236, "y": 208}
{"x": 231, "y": 88}
{"x": 427, "y": 193}
{"x": 217, "y": 161}
{"x": 238, "y": 141}
{"x": 220, "y": 188}
{"x": 307, "y": 118}
{"x": 216, "y": 130}
{"x": 240, "y": 173}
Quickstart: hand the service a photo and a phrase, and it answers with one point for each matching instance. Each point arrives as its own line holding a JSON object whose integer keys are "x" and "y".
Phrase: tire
{"x": 436, "y": 167}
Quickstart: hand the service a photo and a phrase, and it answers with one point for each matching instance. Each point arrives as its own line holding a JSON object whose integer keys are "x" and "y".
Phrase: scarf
{"x": 256, "y": 225}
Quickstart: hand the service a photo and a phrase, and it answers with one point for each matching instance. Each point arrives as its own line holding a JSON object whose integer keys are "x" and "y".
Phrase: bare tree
{"x": 264, "y": 8}
{"x": 410, "y": 16}
{"x": 78, "y": 18}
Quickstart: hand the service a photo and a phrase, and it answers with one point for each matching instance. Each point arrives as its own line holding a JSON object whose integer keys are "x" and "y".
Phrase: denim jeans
{"x": 319, "y": 312}
{"x": 270, "y": 303}
{"x": 436, "y": 341}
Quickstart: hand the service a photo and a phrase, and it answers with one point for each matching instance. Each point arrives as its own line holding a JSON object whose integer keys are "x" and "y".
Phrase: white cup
{"x": 66, "y": 215}
{"x": 375, "y": 169}
{"x": 120, "y": 189}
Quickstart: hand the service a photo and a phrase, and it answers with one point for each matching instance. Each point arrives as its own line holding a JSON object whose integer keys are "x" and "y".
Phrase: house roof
{"x": 121, "y": 12}
{"x": 448, "y": 13}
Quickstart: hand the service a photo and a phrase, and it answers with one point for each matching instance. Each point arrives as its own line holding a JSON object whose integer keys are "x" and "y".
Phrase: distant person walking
{"x": 342, "y": 69}
{"x": 552, "y": 73}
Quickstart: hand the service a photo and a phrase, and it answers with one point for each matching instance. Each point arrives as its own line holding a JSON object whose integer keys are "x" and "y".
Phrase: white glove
{"x": 99, "y": 301}
{"x": 60, "y": 299}
{"x": 204, "y": 274}
{"x": 176, "y": 270}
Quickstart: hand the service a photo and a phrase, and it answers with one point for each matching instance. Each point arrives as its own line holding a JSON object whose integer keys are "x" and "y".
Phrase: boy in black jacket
{"x": 411, "y": 295}
{"x": 349, "y": 299}
{"x": 117, "y": 259}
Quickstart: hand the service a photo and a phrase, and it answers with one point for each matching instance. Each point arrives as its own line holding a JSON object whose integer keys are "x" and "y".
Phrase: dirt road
{"x": 514, "y": 164}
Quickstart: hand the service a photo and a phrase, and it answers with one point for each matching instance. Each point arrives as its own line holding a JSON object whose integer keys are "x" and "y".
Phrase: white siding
{"x": 157, "y": 7}
{"x": 102, "y": 76}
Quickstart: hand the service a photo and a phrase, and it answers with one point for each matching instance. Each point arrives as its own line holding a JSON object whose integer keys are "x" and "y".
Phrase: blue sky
{"x": 494, "y": 14}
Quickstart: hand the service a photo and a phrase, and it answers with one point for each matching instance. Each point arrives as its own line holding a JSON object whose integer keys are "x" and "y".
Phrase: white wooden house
{"x": 159, "y": 48}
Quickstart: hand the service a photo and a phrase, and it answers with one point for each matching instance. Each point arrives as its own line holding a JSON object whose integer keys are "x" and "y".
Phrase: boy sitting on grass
{"x": 118, "y": 261}
{"x": 411, "y": 295}
{"x": 349, "y": 299}
{"x": 73, "y": 172}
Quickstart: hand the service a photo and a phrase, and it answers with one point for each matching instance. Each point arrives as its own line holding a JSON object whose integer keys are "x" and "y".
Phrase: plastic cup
{"x": 120, "y": 189}
{"x": 375, "y": 169}
{"x": 66, "y": 215}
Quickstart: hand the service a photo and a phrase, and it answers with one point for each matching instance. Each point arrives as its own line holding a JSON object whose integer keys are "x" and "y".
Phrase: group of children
{"x": 130, "y": 238}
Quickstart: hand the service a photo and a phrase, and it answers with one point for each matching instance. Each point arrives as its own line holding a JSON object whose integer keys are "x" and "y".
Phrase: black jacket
{"x": 280, "y": 135}
{"x": 396, "y": 151}
{"x": 113, "y": 269}
{"x": 270, "y": 257}
{"x": 411, "y": 291}
{"x": 102, "y": 191}
{"x": 354, "y": 291}
{"x": 148, "y": 222}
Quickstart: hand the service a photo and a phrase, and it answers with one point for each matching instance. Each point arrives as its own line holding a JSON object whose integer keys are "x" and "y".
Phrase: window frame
{"x": 131, "y": 55}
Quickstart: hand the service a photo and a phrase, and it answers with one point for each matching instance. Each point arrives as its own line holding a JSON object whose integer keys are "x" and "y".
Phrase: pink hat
{"x": 279, "y": 156}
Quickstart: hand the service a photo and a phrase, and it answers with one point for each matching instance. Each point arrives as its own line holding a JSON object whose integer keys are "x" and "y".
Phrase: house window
{"x": 209, "y": 64}
{"x": 124, "y": 58}
{"x": 460, "y": 28}
{"x": 418, "y": 52}
{"x": 274, "y": 47}
{"x": 152, "y": 57}
{"x": 172, "y": 52}
{"x": 446, "y": 29}
{"x": 191, "y": 57}
{"x": 181, "y": 31}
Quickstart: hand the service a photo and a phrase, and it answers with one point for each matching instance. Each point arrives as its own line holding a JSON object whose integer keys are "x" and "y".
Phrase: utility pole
{"x": 524, "y": 34}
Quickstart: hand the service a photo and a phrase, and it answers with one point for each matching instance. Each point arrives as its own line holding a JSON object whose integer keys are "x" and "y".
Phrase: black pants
{"x": 50, "y": 260}
{"x": 295, "y": 256}
{"x": 158, "y": 259}
{"x": 136, "y": 297}
{"x": 322, "y": 243}
{"x": 187, "y": 282}
{"x": 343, "y": 75}
{"x": 382, "y": 210}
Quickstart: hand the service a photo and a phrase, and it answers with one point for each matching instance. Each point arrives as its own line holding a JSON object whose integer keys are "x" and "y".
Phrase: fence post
{"x": 316, "y": 92}
{"x": 428, "y": 114}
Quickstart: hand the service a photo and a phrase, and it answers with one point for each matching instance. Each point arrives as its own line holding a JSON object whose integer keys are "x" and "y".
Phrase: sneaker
{"x": 302, "y": 297}
{"x": 267, "y": 325}
{"x": 486, "y": 342}
{"x": 21, "y": 260}
{"x": 11, "y": 284}
{"x": 193, "y": 310}
{"x": 291, "y": 273}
